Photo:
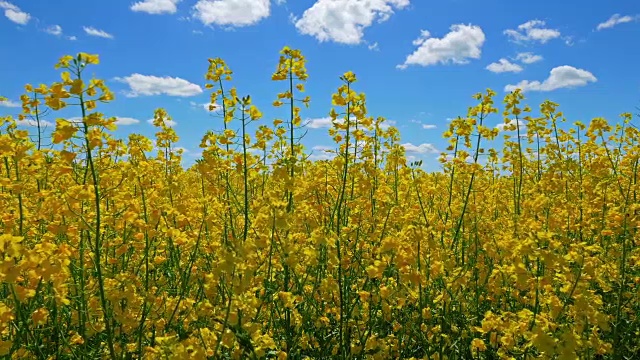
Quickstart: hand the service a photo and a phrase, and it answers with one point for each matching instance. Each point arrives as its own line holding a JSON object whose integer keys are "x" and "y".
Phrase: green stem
{"x": 98, "y": 229}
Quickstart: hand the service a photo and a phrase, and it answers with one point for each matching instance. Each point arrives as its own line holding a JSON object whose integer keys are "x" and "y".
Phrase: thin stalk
{"x": 98, "y": 229}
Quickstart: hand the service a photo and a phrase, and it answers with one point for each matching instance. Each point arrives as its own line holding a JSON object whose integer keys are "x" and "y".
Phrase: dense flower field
{"x": 530, "y": 251}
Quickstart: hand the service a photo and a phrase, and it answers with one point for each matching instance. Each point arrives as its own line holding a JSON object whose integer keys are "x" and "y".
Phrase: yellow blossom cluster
{"x": 528, "y": 251}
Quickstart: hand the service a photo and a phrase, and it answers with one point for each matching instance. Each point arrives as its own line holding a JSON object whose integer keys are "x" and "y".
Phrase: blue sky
{"x": 418, "y": 61}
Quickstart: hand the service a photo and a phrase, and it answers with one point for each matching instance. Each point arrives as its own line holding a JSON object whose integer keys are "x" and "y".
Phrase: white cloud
{"x": 420, "y": 149}
{"x": 123, "y": 121}
{"x": 320, "y": 156}
{"x": 184, "y": 150}
{"x": 374, "y": 46}
{"x": 54, "y": 30}
{"x": 321, "y": 123}
{"x": 327, "y": 122}
{"x": 10, "y": 104}
{"x": 14, "y": 13}
{"x": 504, "y": 65}
{"x": 120, "y": 120}
{"x": 617, "y": 19}
{"x": 321, "y": 152}
{"x": 428, "y": 126}
{"x": 205, "y": 106}
{"x": 387, "y": 123}
{"x": 528, "y": 57}
{"x": 512, "y": 122}
{"x": 568, "y": 40}
{"x": 560, "y": 77}
{"x": 464, "y": 42}
{"x": 231, "y": 12}
{"x": 532, "y": 30}
{"x": 156, "y": 6}
{"x": 154, "y": 85}
{"x": 91, "y": 31}
{"x": 322, "y": 148}
{"x": 33, "y": 123}
{"x": 169, "y": 123}
{"x": 344, "y": 21}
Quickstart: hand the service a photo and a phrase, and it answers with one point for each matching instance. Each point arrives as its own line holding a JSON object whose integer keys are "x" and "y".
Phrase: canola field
{"x": 111, "y": 249}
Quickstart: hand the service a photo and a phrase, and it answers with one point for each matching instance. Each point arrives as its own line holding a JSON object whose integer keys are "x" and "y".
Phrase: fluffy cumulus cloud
{"x": 122, "y": 120}
{"x": 344, "y": 21}
{"x": 34, "y": 123}
{"x": 528, "y": 57}
{"x": 231, "y": 12}
{"x": 205, "y": 106}
{"x": 617, "y": 19}
{"x": 211, "y": 106}
{"x": 320, "y": 123}
{"x": 327, "y": 122}
{"x": 156, "y": 6}
{"x": 504, "y": 65}
{"x": 531, "y": 31}
{"x": 387, "y": 124}
{"x": 560, "y": 77}
{"x": 321, "y": 152}
{"x": 54, "y": 30}
{"x": 91, "y": 31}
{"x": 14, "y": 13}
{"x": 462, "y": 43}
{"x": 9, "y": 103}
{"x": 420, "y": 149}
{"x": 154, "y": 85}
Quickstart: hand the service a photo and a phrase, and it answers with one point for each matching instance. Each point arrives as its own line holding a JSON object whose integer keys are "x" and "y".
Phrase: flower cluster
{"x": 529, "y": 251}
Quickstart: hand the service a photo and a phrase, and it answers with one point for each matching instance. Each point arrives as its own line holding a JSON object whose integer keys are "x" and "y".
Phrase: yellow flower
{"x": 89, "y": 58}
{"x": 64, "y": 131}
{"x": 478, "y": 345}
{"x": 254, "y": 113}
{"x": 77, "y": 87}
{"x": 349, "y": 76}
{"x": 5, "y": 347}
{"x": 76, "y": 339}
{"x": 64, "y": 61}
{"x": 40, "y": 316}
